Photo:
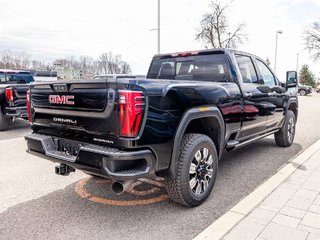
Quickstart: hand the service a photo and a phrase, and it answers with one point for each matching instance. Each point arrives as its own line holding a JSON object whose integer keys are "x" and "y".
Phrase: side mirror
{"x": 292, "y": 79}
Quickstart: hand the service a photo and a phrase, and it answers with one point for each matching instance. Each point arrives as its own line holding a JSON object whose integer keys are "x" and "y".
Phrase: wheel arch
{"x": 204, "y": 120}
{"x": 293, "y": 106}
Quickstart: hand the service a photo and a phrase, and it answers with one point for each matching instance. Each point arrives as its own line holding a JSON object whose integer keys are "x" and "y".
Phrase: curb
{"x": 227, "y": 221}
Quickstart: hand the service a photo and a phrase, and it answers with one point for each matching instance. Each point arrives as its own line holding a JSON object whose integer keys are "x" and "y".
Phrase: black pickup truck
{"x": 176, "y": 123}
{"x": 14, "y": 85}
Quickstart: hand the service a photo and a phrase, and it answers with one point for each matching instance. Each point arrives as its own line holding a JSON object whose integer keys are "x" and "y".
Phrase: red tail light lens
{"x": 9, "y": 94}
{"x": 29, "y": 106}
{"x": 131, "y": 108}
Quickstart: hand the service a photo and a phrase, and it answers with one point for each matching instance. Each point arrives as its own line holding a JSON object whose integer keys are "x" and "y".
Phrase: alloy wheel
{"x": 200, "y": 173}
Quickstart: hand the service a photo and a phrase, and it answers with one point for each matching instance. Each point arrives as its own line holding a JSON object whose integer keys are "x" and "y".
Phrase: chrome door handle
{"x": 248, "y": 94}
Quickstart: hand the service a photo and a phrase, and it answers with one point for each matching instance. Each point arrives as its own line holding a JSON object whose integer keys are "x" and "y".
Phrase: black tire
{"x": 195, "y": 166}
{"x": 303, "y": 92}
{"x": 285, "y": 137}
{"x": 4, "y": 121}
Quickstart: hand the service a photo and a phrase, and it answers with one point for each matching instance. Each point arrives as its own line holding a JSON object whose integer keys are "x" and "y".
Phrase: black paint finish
{"x": 226, "y": 110}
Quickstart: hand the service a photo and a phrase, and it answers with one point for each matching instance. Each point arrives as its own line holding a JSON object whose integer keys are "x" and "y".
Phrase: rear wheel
{"x": 285, "y": 137}
{"x": 196, "y": 171}
{"x": 4, "y": 121}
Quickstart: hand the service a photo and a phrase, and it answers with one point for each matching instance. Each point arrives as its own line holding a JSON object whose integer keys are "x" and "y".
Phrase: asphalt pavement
{"x": 37, "y": 204}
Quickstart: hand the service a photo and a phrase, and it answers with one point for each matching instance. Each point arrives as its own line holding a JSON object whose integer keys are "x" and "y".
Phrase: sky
{"x": 55, "y": 29}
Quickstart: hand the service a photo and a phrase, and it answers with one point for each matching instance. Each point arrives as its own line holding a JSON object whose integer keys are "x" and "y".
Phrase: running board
{"x": 232, "y": 143}
{"x": 256, "y": 138}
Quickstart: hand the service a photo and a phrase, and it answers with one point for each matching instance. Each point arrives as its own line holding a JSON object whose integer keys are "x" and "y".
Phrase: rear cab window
{"x": 16, "y": 77}
{"x": 208, "y": 67}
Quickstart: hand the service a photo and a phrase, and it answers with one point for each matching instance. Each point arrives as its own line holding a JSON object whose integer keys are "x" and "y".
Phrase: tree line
{"x": 106, "y": 63}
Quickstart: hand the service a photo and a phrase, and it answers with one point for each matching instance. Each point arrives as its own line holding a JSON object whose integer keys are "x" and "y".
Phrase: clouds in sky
{"x": 51, "y": 29}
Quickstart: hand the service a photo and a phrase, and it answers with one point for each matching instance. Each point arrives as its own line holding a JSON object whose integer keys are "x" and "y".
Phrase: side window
{"x": 246, "y": 68}
{"x": 2, "y": 78}
{"x": 266, "y": 74}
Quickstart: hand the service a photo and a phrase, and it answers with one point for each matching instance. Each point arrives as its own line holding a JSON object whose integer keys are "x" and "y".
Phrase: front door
{"x": 255, "y": 105}
{"x": 276, "y": 94}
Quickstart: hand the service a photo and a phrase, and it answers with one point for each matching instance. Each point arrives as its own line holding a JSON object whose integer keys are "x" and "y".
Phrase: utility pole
{"x": 158, "y": 26}
{"x": 275, "y": 55}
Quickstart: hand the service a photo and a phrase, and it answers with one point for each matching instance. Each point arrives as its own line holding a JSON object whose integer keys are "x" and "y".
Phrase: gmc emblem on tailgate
{"x": 63, "y": 99}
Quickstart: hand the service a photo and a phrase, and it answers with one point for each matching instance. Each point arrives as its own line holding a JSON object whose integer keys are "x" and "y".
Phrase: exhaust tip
{"x": 117, "y": 188}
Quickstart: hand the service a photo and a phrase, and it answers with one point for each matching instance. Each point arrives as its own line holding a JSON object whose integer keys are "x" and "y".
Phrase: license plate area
{"x": 67, "y": 147}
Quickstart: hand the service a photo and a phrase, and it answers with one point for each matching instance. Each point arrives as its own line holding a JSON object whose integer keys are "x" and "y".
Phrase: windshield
{"x": 211, "y": 67}
{"x": 16, "y": 78}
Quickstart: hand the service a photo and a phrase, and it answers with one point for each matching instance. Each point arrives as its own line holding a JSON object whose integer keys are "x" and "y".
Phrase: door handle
{"x": 273, "y": 94}
{"x": 248, "y": 94}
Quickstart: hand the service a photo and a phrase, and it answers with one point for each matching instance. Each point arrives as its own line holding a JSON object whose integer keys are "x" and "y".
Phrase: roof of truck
{"x": 203, "y": 52}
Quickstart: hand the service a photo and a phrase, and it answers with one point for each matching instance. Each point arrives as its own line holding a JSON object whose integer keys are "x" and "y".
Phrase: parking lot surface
{"x": 37, "y": 204}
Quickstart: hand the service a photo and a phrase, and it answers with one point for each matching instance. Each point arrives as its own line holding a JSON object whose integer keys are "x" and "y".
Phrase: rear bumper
{"x": 19, "y": 112}
{"x": 94, "y": 159}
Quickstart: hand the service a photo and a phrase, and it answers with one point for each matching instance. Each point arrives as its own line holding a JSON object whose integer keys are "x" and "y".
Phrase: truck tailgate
{"x": 86, "y": 107}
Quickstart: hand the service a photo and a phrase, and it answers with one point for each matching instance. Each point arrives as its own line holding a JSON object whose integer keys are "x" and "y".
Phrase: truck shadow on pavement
{"x": 18, "y": 124}
{"x": 88, "y": 210}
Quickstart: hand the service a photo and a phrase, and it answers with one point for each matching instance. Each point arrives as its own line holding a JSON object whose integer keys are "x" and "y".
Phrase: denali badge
{"x": 64, "y": 120}
{"x": 63, "y": 99}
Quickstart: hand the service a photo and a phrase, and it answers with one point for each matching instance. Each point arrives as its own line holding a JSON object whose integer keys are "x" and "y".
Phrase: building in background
{"x": 67, "y": 73}
{"x": 45, "y": 75}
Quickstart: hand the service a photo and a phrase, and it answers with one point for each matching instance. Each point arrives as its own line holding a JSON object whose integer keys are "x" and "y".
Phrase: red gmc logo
{"x": 64, "y": 99}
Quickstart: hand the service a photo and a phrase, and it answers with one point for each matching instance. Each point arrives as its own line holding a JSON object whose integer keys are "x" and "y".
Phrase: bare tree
{"x": 125, "y": 68}
{"x": 96, "y": 67}
{"x": 214, "y": 30}
{"x": 312, "y": 40}
{"x": 113, "y": 64}
{"x": 37, "y": 65}
{"x": 86, "y": 64}
{"x": 14, "y": 60}
{"x": 7, "y": 59}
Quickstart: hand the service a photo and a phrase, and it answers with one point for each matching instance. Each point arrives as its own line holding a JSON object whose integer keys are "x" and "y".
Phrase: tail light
{"x": 131, "y": 109}
{"x": 29, "y": 106}
{"x": 9, "y": 94}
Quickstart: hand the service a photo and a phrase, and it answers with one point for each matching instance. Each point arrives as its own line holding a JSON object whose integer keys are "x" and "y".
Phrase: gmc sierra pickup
{"x": 176, "y": 123}
{"x": 14, "y": 85}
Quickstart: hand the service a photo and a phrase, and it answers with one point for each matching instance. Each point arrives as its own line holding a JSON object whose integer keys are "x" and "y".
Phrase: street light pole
{"x": 297, "y": 67}
{"x": 275, "y": 55}
{"x": 158, "y": 26}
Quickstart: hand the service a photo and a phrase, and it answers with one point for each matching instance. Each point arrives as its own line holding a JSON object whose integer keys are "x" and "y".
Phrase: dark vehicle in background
{"x": 112, "y": 76}
{"x": 304, "y": 90}
{"x": 176, "y": 123}
{"x": 14, "y": 85}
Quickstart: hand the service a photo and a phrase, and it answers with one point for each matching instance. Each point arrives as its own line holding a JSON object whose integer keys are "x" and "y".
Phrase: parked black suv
{"x": 304, "y": 90}
{"x": 14, "y": 85}
{"x": 175, "y": 123}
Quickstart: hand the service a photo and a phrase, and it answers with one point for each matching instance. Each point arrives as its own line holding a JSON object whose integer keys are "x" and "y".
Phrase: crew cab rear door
{"x": 255, "y": 101}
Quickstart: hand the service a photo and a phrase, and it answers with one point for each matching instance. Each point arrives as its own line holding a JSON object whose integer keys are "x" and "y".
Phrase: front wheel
{"x": 285, "y": 136}
{"x": 4, "y": 121}
{"x": 196, "y": 171}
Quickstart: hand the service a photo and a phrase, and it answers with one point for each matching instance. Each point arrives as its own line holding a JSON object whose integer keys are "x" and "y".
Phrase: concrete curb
{"x": 227, "y": 221}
